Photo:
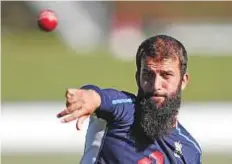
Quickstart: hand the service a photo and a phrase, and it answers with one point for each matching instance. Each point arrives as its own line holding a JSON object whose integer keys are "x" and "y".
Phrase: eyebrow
{"x": 150, "y": 70}
{"x": 147, "y": 70}
{"x": 168, "y": 71}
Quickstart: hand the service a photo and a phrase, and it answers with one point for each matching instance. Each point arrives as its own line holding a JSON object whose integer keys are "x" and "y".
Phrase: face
{"x": 160, "y": 79}
{"x": 160, "y": 84}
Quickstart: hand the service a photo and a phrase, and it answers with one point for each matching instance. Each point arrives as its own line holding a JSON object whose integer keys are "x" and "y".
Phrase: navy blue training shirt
{"x": 118, "y": 108}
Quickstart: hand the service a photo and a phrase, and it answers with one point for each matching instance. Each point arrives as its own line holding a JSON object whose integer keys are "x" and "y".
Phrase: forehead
{"x": 169, "y": 63}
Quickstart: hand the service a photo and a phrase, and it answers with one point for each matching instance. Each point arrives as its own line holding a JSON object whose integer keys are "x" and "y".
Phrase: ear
{"x": 137, "y": 78}
{"x": 185, "y": 81}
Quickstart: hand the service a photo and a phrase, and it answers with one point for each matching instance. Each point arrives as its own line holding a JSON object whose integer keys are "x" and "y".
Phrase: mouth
{"x": 157, "y": 98}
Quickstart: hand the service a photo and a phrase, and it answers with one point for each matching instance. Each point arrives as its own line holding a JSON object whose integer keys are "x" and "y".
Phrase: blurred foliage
{"x": 36, "y": 66}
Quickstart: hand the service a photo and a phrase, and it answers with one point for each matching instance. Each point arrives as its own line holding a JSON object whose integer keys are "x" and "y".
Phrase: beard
{"x": 153, "y": 120}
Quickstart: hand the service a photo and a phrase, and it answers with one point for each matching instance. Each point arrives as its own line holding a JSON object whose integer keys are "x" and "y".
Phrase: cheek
{"x": 172, "y": 86}
{"x": 145, "y": 85}
{"x": 142, "y": 83}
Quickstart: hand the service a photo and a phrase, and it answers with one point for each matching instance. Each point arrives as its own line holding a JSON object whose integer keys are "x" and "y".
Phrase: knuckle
{"x": 69, "y": 109}
{"x": 72, "y": 117}
{"x": 67, "y": 103}
{"x": 80, "y": 92}
{"x": 73, "y": 107}
{"x": 69, "y": 100}
{"x": 73, "y": 90}
{"x": 69, "y": 89}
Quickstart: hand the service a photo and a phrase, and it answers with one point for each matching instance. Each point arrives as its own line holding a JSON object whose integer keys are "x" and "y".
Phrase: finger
{"x": 73, "y": 95}
{"x": 62, "y": 113}
{"x": 74, "y": 106}
{"x": 70, "y": 101}
{"x": 67, "y": 104}
{"x": 75, "y": 115}
{"x": 73, "y": 91}
{"x": 69, "y": 118}
{"x": 70, "y": 92}
{"x": 70, "y": 108}
{"x": 80, "y": 121}
{"x": 73, "y": 99}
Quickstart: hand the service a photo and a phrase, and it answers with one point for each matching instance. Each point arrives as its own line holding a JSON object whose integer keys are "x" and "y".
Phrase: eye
{"x": 167, "y": 74}
{"x": 148, "y": 74}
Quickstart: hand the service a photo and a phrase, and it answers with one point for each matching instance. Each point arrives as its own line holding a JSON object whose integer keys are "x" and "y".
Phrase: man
{"x": 142, "y": 129}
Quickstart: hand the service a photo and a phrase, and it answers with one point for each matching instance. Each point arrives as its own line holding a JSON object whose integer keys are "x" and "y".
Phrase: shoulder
{"x": 185, "y": 144}
{"x": 185, "y": 135}
{"x": 190, "y": 147}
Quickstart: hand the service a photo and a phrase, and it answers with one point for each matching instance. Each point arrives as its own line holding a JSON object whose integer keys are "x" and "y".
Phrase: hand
{"x": 80, "y": 104}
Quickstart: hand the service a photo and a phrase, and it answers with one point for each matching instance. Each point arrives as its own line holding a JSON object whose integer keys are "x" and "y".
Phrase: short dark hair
{"x": 162, "y": 47}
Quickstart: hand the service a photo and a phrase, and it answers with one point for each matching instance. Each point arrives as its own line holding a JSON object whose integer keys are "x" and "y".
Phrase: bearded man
{"x": 142, "y": 129}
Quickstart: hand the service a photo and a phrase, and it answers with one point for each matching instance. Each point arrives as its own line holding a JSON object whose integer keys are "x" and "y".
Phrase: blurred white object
{"x": 33, "y": 128}
{"x": 124, "y": 42}
{"x": 203, "y": 39}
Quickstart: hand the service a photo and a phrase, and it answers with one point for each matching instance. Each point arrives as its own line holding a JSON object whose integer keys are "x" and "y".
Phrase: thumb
{"x": 80, "y": 121}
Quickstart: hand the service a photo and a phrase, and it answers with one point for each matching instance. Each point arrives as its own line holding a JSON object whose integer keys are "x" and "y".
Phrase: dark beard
{"x": 153, "y": 121}
{"x": 158, "y": 121}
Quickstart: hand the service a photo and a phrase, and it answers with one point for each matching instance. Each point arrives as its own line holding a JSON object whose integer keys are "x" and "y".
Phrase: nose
{"x": 157, "y": 83}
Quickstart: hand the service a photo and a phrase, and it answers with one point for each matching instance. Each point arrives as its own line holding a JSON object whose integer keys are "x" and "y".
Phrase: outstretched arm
{"x": 90, "y": 99}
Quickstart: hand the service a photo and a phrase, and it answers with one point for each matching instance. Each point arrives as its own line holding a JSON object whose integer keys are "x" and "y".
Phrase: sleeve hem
{"x": 99, "y": 91}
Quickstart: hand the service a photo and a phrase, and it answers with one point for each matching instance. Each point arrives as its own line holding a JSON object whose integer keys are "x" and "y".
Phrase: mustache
{"x": 157, "y": 94}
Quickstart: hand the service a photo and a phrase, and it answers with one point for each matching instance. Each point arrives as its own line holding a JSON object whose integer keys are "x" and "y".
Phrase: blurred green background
{"x": 38, "y": 66}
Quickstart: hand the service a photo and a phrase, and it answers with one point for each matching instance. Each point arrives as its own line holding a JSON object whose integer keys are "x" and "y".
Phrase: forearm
{"x": 110, "y": 98}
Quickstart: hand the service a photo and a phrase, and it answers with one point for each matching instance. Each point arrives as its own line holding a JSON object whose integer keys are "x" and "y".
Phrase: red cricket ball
{"x": 47, "y": 20}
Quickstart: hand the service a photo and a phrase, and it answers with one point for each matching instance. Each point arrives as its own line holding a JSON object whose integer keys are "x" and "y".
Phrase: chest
{"x": 119, "y": 148}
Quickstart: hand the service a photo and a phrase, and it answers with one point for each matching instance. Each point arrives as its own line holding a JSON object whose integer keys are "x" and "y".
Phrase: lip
{"x": 157, "y": 97}
{"x": 158, "y": 100}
